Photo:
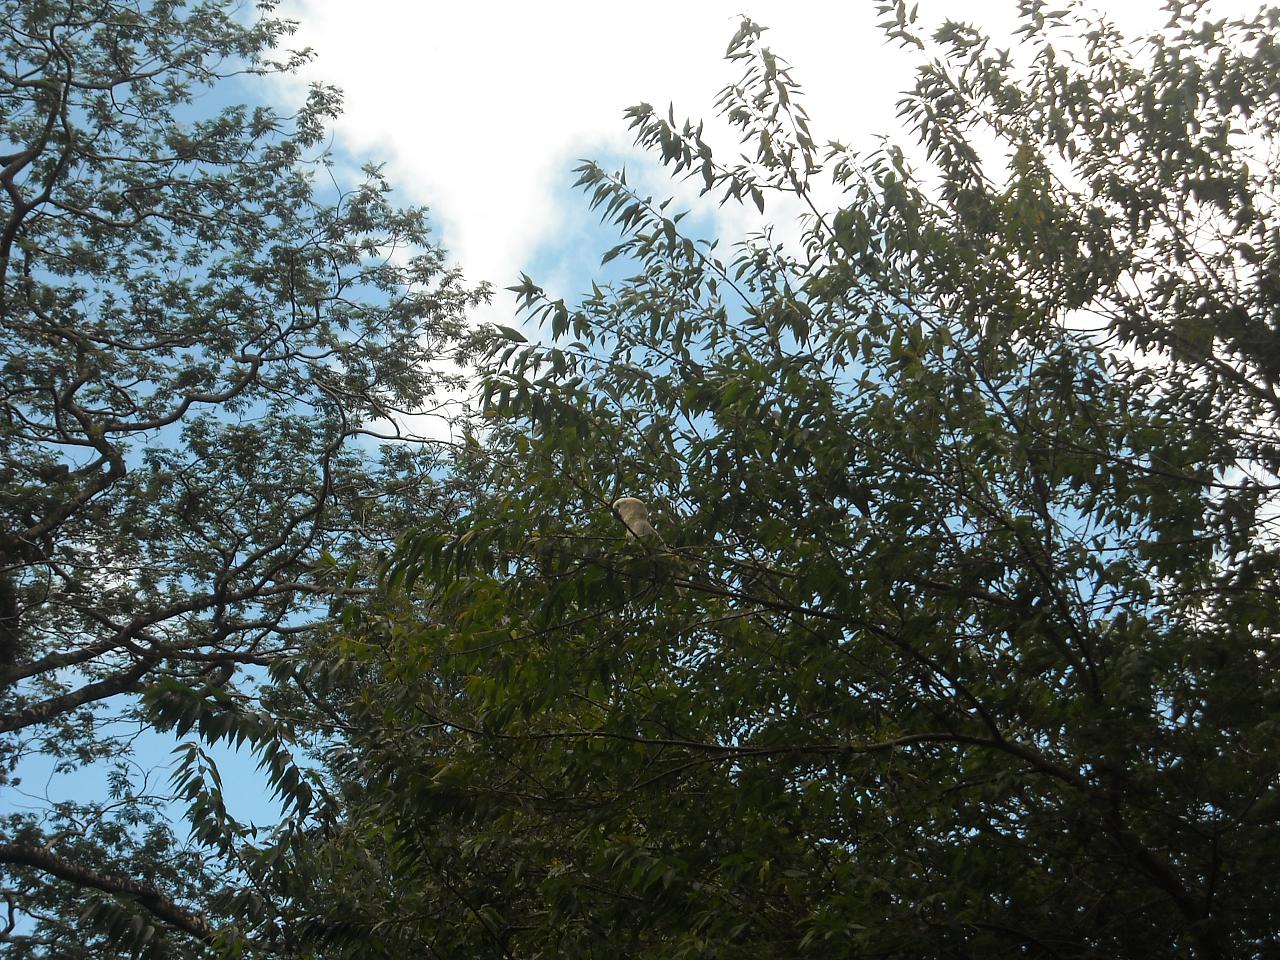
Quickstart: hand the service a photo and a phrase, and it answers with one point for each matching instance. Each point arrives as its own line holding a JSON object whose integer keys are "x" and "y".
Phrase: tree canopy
{"x": 204, "y": 331}
{"x": 898, "y": 581}
{"x": 959, "y": 636}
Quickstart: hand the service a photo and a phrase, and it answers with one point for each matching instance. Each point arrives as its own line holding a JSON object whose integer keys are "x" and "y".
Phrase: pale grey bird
{"x": 635, "y": 517}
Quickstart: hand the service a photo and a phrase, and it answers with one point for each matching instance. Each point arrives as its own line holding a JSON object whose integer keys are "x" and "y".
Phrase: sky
{"x": 480, "y": 109}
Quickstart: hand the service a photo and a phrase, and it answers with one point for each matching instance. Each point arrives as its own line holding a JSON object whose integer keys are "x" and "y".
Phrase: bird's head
{"x": 633, "y": 514}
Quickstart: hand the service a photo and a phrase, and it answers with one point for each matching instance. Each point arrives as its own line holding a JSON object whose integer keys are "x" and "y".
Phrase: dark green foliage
{"x": 201, "y": 342}
{"x": 972, "y": 495}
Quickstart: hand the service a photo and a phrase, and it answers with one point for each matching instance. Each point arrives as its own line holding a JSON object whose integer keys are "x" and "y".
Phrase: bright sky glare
{"x": 480, "y": 109}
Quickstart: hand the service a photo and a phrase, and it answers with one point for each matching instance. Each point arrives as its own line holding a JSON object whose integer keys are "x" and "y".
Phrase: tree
{"x": 977, "y": 482}
{"x": 202, "y": 346}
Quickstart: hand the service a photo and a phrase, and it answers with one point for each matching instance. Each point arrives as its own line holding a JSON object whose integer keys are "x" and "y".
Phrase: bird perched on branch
{"x": 635, "y": 517}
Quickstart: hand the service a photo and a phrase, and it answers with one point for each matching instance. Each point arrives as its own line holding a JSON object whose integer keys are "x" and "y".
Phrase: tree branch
{"x": 145, "y": 896}
{"x": 99, "y": 690}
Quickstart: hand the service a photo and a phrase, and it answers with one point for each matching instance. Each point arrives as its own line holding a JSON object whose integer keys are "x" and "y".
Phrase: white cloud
{"x": 480, "y": 109}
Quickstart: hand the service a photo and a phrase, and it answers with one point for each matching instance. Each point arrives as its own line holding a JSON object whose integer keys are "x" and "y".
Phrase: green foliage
{"x": 972, "y": 491}
{"x": 201, "y": 346}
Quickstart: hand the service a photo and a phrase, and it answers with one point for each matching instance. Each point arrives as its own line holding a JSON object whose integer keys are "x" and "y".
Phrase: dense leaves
{"x": 204, "y": 330}
{"x": 960, "y": 639}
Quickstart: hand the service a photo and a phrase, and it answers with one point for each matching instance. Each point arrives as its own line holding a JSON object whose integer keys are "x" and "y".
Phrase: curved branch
{"x": 146, "y": 896}
{"x": 99, "y": 690}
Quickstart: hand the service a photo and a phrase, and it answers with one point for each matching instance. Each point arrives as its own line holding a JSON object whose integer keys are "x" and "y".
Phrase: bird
{"x": 635, "y": 517}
